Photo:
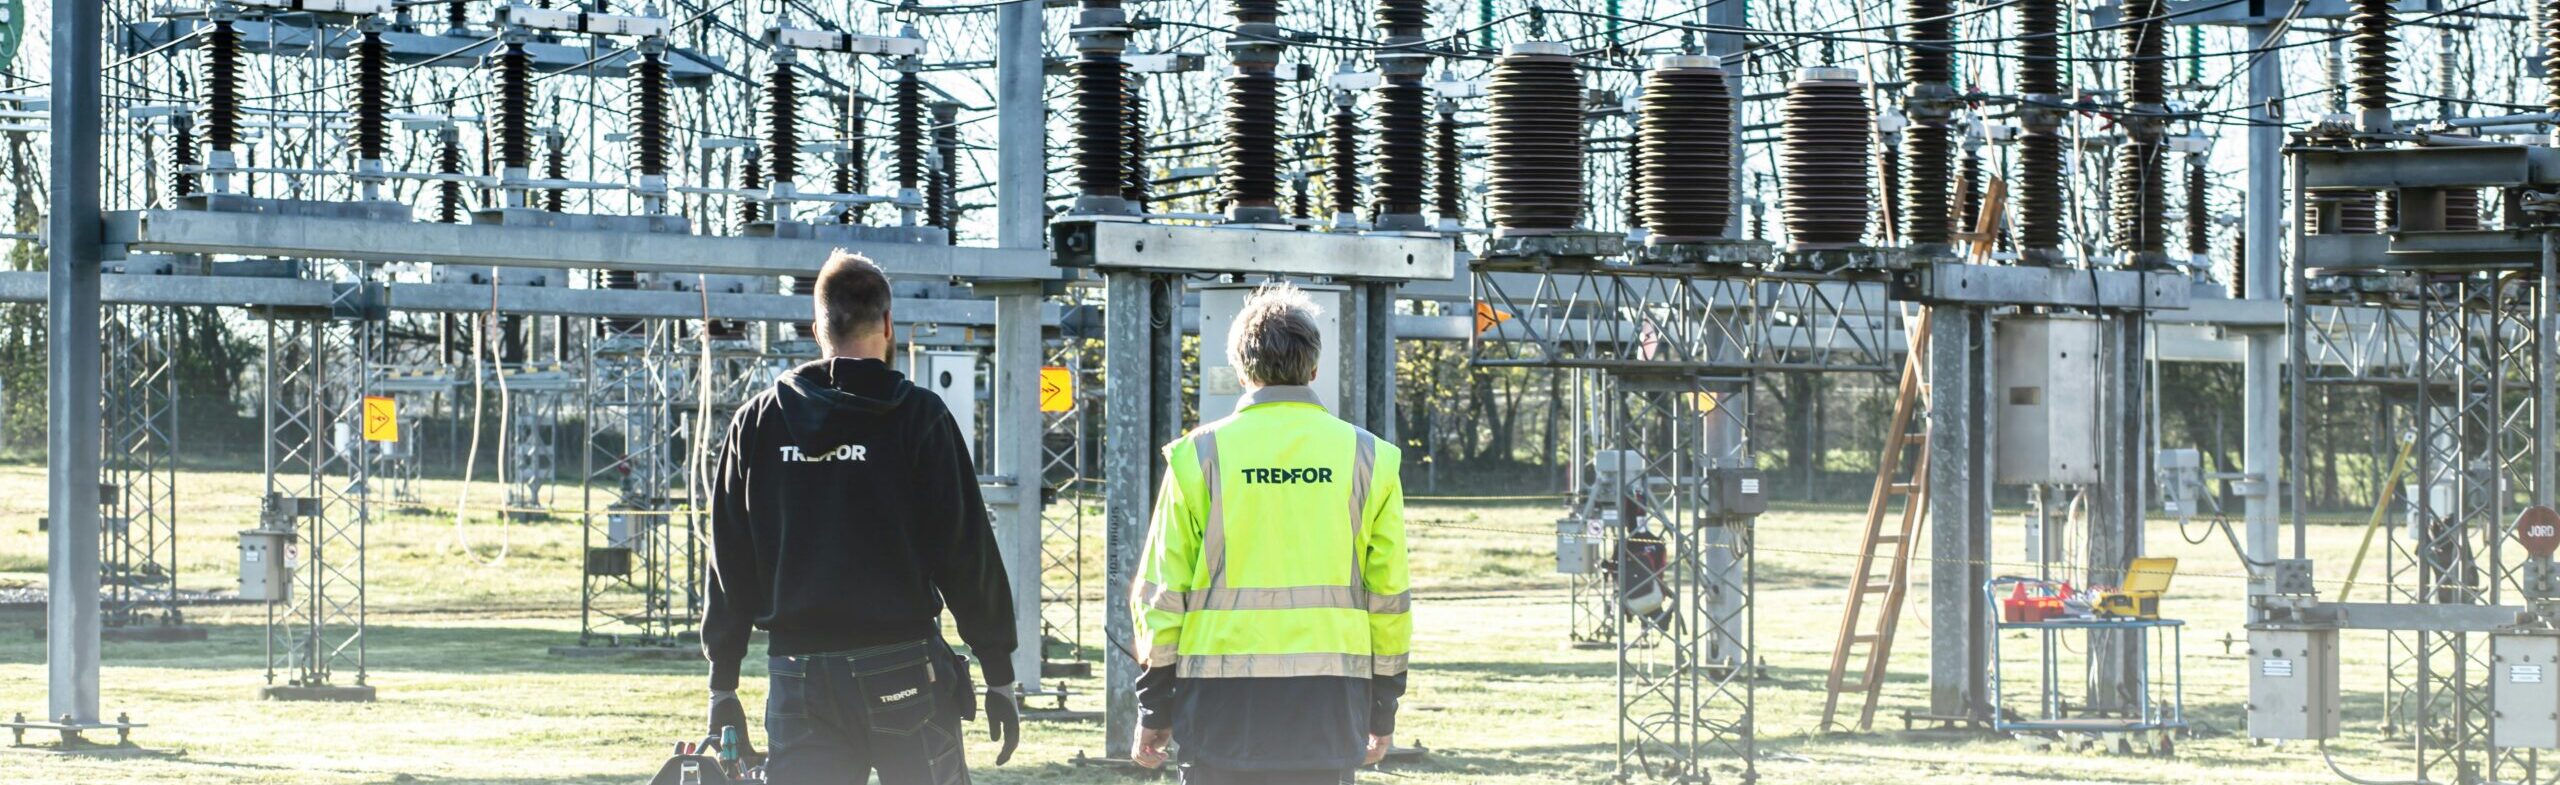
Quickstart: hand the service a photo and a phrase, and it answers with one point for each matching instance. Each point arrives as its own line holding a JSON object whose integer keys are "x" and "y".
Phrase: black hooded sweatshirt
{"x": 846, "y": 514}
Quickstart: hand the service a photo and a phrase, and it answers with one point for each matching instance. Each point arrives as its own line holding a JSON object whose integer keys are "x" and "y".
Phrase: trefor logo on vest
{"x": 1287, "y": 476}
{"x": 850, "y": 452}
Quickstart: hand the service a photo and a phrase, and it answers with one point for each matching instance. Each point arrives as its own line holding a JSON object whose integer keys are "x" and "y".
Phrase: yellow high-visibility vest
{"x": 1276, "y": 548}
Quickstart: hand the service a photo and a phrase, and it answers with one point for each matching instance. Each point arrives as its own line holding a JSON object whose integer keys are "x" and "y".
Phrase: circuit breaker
{"x": 2524, "y": 689}
{"x": 2293, "y": 683}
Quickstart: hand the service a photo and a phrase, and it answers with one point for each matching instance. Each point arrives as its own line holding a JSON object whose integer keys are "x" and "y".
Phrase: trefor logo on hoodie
{"x": 850, "y": 452}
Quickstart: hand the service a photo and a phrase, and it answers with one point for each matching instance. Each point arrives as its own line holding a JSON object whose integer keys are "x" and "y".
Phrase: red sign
{"x": 2539, "y": 529}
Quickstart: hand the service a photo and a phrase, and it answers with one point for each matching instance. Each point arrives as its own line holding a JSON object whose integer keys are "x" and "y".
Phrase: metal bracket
{"x": 1132, "y": 245}
{"x": 1979, "y": 284}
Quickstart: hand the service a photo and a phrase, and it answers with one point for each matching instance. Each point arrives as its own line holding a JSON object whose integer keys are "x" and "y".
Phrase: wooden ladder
{"x": 1898, "y": 476}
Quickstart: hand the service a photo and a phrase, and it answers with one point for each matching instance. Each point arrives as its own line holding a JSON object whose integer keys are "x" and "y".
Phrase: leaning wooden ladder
{"x": 1902, "y": 472}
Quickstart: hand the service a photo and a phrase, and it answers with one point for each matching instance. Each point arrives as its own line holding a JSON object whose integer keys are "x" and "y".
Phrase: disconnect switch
{"x": 2293, "y": 683}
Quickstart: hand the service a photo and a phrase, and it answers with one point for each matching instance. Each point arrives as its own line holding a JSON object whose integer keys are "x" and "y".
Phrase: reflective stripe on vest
{"x": 1213, "y": 536}
{"x": 1262, "y": 666}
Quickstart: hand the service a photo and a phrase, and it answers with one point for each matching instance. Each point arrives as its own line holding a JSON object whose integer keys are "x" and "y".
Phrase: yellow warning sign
{"x": 1487, "y": 317}
{"x": 1057, "y": 389}
{"x": 381, "y": 419}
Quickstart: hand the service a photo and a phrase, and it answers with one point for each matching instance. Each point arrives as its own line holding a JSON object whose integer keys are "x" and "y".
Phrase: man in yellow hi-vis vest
{"x": 1273, "y": 612}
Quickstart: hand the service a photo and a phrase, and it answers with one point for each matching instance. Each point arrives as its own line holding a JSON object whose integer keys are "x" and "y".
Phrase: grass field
{"x": 468, "y": 693}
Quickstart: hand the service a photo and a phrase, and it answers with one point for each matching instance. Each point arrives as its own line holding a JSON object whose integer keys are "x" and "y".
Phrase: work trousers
{"x": 833, "y": 719}
{"x": 1196, "y": 774}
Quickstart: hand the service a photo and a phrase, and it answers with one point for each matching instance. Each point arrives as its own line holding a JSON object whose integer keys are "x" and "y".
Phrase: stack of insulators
{"x": 943, "y": 208}
{"x": 182, "y": 156}
{"x": 782, "y": 124}
{"x": 1102, "y": 87}
{"x": 1403, "y": 117}
{"x": 2358, "y": 212}
{"x": 2040, "y": 144}
{"x": 619, "y": 279}
{"x": 2140, "y": 206}
{"x": 1250, "y": 164}
{"x": 514, "y": 107}
{"x": 1447, "y": 155}
{"x": 2370, "y": 29}
{"x": 909, "y": 138}
{"x": 1928, "y": 155}
{"x": 2551, "y": 54}
{"x": 2140, "y": 209}
{"x": 1631, "y": 197}
{"x": 1403, "y": 120}
{"x": 457, "y": 14}
{"x": 1929, "y": 160}
{"x": 750, "y": 178}
{"x": 221, "y": 87}
{"x": 1134, "y": 185}
{"x": 370, "y": 133}
{"x": 1889, "y": 183}
{"x": 2462, "y": 209}
{"x": 2199, "y": 210}
{"x": 449, "y": 190}
{"x": 1825, "y": 129}
{"x": 1687, "y": 142}
{"x": 1342, "y": 158}
{"x": 2146, "y": 42}
{"x": 1533, "y": 125}
{"x": 555, "y": 166}
{"x": 2238, "y": 277}
{"x": 649, "y": 112}
{"x": 853, "y": 169}
{"x": 1969, "y": 193}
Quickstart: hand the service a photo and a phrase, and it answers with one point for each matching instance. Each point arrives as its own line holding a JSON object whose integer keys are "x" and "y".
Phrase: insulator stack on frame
{"x": 1686, "y": 138}
{"x": 1101, "y": 84}
{"x": 1826, "y": 129}
{"x": 1249, "y": 170}
{"x": 1403, "y": 116}
{"x": 1534, "y": 124}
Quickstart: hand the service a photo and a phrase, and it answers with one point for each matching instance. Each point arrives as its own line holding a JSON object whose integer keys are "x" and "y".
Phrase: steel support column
{"x": 1960, "y": 478}
{"x": 1021, "y": 223}
{"x": 2262, "y": 440}
{"x": 2115, "y": 533}
{"x": 73, "y": 417}
{"x": 1017, "y": 455}
{"x": 1378, "y": 333}
{"x": 1141, "y": 347}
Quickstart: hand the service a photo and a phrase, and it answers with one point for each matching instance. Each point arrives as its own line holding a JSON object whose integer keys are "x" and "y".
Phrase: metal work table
{"x": 2163, "y": 639}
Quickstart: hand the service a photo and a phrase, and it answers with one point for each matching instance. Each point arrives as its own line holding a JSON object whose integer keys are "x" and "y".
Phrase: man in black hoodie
{"x": 845, "y": 515}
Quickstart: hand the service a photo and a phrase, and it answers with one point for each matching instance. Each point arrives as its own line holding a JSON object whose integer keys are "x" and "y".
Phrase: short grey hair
{"x": 1275, "y": 340}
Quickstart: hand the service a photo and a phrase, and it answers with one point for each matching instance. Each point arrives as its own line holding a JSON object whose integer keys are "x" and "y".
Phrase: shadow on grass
{"x": 1560, "y": 762}
{"x": 438, "y": 649}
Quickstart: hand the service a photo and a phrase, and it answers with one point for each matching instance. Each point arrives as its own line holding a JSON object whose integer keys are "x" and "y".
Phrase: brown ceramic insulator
{"x": 1535, "y": 145}
{"x": 1825, "y": 132}
{"x": 1686, "y": 143}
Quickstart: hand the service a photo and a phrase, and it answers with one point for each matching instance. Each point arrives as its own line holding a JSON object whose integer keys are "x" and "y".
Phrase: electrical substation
{"x": 449, "y": 276}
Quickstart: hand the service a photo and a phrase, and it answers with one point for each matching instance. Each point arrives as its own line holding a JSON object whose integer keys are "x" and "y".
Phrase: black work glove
{"x": 1004, "y": 721}
{"x": 726, "y": 711}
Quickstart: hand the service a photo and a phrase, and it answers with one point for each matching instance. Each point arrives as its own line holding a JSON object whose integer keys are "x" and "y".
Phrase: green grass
{"x": 468, "y": 693}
